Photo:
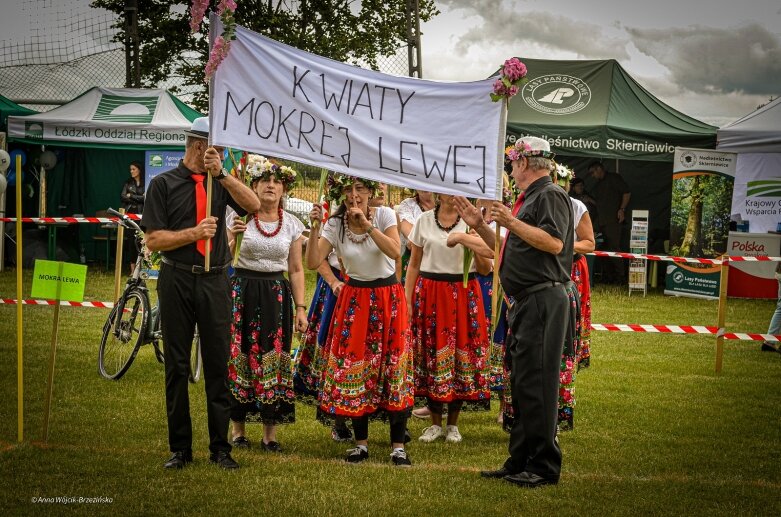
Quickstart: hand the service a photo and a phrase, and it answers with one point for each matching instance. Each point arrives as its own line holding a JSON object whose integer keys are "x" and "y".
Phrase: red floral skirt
{"x": 449, "y": 332}
{"x": 580, "y": 277}
{"x": 368, "y": 356}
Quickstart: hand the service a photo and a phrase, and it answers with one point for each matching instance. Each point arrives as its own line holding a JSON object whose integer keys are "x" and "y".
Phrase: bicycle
{"x": 134, "y": 322}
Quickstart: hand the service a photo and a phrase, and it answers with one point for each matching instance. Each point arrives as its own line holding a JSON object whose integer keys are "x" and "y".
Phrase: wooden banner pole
{"x": 19, "y": 325}
{"x": 495, "y": 301}
{"x": 207, "y": 256}
{"x": 47, "y": 408}
{"x": 722, "y": 313}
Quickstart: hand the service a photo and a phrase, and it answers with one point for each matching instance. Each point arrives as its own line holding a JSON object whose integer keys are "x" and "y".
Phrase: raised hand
{"x": 212, "y": 160}
{"x": 356, "y": 215}
{"x": 468, "y": 212}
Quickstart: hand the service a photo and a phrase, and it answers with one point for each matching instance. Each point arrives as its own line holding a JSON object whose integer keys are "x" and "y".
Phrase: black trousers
{"x": 186, "y": 299}
{"x": 539, "y": 324}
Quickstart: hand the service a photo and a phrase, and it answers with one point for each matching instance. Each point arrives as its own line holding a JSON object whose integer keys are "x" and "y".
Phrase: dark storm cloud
{"x": 705, "y": 59}
{"x": 504, "y": 23}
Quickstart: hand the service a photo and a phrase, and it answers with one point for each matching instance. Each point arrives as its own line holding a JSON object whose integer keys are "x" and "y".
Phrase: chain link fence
{"x": 60, "y": 49}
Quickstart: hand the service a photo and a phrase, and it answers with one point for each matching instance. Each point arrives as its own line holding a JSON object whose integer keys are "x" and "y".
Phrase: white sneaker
{"x": 430, "y": 434}
{"x": 422, "y": 413}
{"x": 453, "y": 436}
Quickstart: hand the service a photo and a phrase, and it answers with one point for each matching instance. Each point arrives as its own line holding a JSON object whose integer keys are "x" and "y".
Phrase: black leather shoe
{"x": 223, "y": 460}
{"x": 495, "y": 474}
{"x": 768, "y": 347}
{"x": 178, "y": 460}
{"x": 529, "y": 480}
{"x": 241, "y": 442}
{"x": 271, "y": 446}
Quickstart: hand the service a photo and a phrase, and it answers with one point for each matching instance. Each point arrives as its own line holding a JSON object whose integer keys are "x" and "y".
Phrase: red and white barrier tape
{"x": 661, "y": 329}
{"x": 100, "y": 305}
{"x": 668, "y": 258}
{"x": 68, "y": 220}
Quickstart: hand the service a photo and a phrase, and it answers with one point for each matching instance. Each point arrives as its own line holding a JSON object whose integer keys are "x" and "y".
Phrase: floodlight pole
{"x": 132, "y": 61}
{"x": 414, "y": 59}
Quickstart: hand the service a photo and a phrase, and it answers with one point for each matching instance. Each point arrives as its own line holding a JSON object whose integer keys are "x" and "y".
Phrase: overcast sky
{"x": 714, "y": 60}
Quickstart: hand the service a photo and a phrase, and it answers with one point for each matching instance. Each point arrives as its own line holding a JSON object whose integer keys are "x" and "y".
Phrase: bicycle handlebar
{"x": 124, "y": 220}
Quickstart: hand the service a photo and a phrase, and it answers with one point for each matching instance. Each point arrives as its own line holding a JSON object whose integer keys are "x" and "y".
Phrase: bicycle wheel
{"x": 123, "y": 335}
{"x": 195, "y": 358}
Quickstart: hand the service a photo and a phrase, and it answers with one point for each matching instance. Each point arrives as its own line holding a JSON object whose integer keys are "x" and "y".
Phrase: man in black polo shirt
{"x": 175, "y": 224}
{"x": 534, "y": 268}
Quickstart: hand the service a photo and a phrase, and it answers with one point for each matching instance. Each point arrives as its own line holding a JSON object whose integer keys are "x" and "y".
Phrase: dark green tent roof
{"x": 596, "y": 109}
{"x": 8, "y": 107}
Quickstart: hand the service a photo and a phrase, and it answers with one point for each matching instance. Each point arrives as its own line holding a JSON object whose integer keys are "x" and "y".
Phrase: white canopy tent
{"x": 757, "y": 140}
{"x": 124, "y": 118}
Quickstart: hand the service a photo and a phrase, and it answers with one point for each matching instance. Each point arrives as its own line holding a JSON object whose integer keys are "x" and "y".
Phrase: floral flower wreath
{"x": 521, "y": 148}
{"x": 563, "y": 174}
{"x": 336, "y": 184}
{"x": 261, "y": 168}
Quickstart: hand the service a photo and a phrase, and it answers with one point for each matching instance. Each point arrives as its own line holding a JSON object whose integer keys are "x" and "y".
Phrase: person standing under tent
{"x": 132, "y": 198}
{"x": 368, "y": 369}
{"x": 175, "y": 223}
{"x": 612, "y": 195}
{"x": 266, "y": 306}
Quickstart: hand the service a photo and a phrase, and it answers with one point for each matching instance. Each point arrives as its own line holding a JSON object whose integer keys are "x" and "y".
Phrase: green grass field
{"x": 656, "y": 432}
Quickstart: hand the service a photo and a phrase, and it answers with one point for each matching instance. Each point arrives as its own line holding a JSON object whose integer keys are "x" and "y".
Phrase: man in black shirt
{"x": 534, "y": 268}
{"x": 175, "y": 223}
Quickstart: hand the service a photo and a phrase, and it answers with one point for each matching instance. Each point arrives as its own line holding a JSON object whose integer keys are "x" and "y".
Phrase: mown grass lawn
{"x": 656, "y": 432}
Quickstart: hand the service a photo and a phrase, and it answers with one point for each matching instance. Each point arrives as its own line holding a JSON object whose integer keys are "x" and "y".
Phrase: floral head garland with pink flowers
{"x": 219, "y": 51}
{"x": 509, "y": 84}
{"x": 522, "y": 148}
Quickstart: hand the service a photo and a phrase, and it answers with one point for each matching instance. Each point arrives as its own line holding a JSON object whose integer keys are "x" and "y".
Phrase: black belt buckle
{"x": 198, "y": 270}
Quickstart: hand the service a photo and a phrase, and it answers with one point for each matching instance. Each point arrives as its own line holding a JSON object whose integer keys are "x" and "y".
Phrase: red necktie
{"x": 200, "y": 207}
{"x": 516, "y": 209}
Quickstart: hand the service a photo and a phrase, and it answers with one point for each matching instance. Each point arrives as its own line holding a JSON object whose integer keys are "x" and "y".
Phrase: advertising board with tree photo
{"x": 699, "y": 219}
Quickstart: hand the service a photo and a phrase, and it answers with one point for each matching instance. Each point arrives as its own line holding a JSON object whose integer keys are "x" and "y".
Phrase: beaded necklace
{"x": 443, "y": 228}
{"x": 350, "y": 235}
{"x": 276, "y": 231}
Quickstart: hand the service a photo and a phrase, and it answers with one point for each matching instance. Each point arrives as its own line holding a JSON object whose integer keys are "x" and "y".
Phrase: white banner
{"x": 757, "y": 195}
{"x": 273, "y": 99}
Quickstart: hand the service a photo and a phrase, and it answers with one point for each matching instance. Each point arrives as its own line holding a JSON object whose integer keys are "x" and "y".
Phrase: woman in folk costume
{"x": 408, "y": 212}
{"x": 584, "y": 243}
{"x": 496, "y": 376}
{"x": 310, "y": 360}
{"x": 448, "y": 322}
{"x": 368, "y": 368}
{"x": 259, "y": 369}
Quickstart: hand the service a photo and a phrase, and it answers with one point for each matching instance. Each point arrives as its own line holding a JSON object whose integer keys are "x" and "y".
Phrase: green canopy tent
{"x": 8, "y": 108}
{"x": 594, "y": 110}
{"x": 95, "y": 137}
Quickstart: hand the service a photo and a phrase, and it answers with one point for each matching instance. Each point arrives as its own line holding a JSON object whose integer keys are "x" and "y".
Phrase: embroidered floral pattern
{"x": 259, "y": 368}
{"x": 367, "y": 355}
{"x": 307, "y": 374}
{"x": 449, "y": 332}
